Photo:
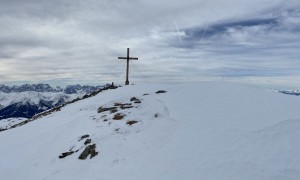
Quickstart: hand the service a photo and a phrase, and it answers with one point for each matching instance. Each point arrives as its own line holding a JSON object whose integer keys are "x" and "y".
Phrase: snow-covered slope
{"x": 204, "y": 130}
{"x": 7, "y": 123}
{"x": 28, "y": 100}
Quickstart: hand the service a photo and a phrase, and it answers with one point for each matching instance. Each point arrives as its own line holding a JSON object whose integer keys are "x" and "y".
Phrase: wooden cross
{"x": 127, "y": 69}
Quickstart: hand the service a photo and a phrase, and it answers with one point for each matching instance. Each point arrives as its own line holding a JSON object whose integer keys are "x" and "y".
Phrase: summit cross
{"x": 127, "y": 69}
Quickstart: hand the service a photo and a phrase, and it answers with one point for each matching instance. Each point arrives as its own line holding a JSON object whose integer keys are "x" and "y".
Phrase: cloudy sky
{"x": 78, "y": 41}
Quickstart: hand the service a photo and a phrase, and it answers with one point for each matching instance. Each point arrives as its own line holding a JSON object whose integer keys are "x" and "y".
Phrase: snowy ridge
{"x": 9, "y": 122}
{"x": 203, "y": 130}
{"x": 28, "y": 100}
{"x": 70, "y": 89}
{"x": 288, "y": 92}
{"x": 32, "y": 97}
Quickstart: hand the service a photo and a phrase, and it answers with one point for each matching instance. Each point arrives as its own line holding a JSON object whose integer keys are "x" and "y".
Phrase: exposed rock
{"x": 83, "y": 137}
{"x": 160, "y": 91}
{"x": 117, "y": 104}
{"x": 114, "y": 110}
{"x": 103, "y": 109}
{"x": 122, "y": 104}
{"x": 118, "y": 116}
{"x": 65, "y": 154}
{"x": 138, "y": 102}
{"x": 88, "y": 141}
{"x": 135, "y": 100}
{"x": 126, "y": 106}
{"x": 131, "y": 122}
{"x": 89, "y": 150}
{"x": 145, "y": 94}
{"x": 85, "y": 96}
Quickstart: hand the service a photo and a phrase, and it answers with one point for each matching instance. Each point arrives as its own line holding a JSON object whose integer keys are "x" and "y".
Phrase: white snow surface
{"x": 7, "y": 123}
{"x": 32, "y": 97}
{"x": 205, "y": 130}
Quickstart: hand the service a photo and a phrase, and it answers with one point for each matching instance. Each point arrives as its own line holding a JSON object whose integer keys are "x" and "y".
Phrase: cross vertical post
{"x": 127, "y": 69}
{"x": 127, "y": 65}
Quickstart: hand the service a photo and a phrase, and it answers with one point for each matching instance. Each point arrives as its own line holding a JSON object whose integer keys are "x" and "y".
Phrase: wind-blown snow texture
{"x": 205, "y": 130}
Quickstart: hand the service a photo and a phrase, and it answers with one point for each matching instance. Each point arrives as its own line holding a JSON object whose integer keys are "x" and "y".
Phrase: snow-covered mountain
{"x": 30, "y": 87}
{"x": 28, "y": 100}
{"x": 290, "y": 92}
{"x": 70, "y": 89}
{"x": 203, "y": 130}
{"x": 27, "y": 104}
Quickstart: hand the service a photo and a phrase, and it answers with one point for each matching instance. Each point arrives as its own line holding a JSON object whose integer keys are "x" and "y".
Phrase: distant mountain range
{"x": 70, "y": 89}
{"x": 287, "y": 92}
{"x": 290, "y": 92}
{"x": 27, "y": 100}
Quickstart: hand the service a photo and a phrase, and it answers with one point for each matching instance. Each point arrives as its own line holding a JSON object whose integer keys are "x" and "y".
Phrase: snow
{"x": 205, "y": 130}
{"x": 7, "y": 123}
{"x": 32, "y": 97}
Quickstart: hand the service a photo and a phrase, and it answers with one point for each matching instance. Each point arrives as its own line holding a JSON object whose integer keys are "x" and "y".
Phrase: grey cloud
{"x": 37, "y": 10}
{"x": 74, "y": 40}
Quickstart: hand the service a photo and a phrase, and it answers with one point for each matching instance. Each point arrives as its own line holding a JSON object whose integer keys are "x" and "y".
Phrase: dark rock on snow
{"x": 83, "y": 137}
{"x": 89, "y": 150}
{"x": 135, "y": 100}
{"x": 131, "y": 122}
{"x": 88, "y": 141}
{"x": 118, "y": 116}
{"x": 160, "y": 91}
{"x": 103, "y": 109}
{"x": 65, "y": 154}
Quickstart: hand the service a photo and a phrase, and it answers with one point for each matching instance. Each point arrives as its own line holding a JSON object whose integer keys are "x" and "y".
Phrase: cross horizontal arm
{"x": 130, "y": 58}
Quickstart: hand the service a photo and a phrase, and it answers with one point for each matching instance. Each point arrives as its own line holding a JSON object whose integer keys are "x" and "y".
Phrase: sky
{"x": 79, "y": 41}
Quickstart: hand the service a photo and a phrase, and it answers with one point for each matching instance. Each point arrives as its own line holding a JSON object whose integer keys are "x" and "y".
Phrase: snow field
{"x": 205, "y": 130}
{"x": 7, "y": 123}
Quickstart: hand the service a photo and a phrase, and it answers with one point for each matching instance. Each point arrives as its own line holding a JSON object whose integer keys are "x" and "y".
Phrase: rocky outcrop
{"x": 89, "y": 150}
{"x": 118, "y": 116}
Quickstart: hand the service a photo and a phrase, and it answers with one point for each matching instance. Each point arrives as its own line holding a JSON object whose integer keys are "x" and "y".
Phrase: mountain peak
{"x": 70, "y": 89}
